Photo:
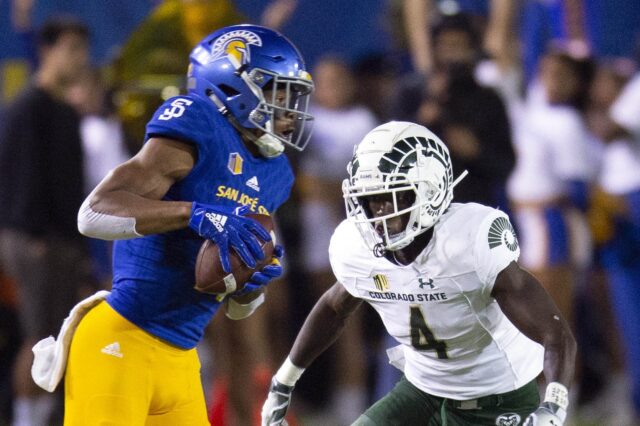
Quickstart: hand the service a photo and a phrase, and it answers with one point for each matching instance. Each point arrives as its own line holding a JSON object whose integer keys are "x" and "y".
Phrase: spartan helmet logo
{"x": 235, "y": 45}
{"x": 508, "y": 419}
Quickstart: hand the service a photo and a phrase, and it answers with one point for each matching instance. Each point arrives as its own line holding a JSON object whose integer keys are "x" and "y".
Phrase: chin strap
{"x": 268, "y": 145}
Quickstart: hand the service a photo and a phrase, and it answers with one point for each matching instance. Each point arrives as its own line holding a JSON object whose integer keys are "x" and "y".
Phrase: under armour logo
{"x": 429, "y": 283}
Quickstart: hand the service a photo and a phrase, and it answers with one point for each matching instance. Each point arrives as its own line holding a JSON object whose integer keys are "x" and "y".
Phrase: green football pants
{"x": 408, "y": 405}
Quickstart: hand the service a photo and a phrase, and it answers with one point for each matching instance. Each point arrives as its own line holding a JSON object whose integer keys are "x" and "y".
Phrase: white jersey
{"x": 456, "y": 341}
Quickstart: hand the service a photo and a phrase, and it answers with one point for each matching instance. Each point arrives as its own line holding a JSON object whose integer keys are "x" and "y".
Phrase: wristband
{"x": 558, "y": 394}
{"x": 288, "y": 374}
{"x": 237, "y": 311}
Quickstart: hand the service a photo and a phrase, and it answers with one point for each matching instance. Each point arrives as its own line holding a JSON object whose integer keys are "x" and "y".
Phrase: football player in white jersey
{"x": 475, "y": 329}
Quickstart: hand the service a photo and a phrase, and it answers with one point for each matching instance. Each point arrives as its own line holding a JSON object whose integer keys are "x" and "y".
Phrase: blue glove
{"x": 227, "y": 227}
{"x": 266, "y": 274}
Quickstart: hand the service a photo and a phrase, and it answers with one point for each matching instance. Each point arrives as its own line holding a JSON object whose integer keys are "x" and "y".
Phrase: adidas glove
{"x": 227, "y": 227}
{"x": 262, "y": 277}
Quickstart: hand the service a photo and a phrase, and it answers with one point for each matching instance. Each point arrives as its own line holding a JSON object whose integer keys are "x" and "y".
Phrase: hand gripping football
{"x": 211, "y": 278}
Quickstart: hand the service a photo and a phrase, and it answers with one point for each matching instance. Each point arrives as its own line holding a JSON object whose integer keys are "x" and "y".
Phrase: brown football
{"x": 211, "y": 278}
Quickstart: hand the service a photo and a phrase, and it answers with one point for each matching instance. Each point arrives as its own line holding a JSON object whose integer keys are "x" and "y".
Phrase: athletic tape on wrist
{"x": 558, "y": 394}
{"x": 237, "y": 311}
{"x": 288, "y": 374}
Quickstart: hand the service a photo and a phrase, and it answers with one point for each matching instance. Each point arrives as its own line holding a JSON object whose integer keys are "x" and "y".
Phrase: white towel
{"x": 50, "y": 355}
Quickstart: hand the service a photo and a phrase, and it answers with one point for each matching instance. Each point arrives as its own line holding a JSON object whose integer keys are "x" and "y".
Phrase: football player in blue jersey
{"x": 210, "y": 157}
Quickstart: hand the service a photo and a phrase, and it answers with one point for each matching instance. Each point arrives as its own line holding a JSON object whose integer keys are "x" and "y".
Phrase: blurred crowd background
{"x": 538, "y": 99}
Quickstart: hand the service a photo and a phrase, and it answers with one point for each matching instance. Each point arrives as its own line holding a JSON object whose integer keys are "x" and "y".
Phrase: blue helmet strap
{"x": 222, "y": 109}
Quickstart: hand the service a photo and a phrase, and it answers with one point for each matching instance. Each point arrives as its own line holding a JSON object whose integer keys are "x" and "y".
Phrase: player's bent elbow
{"x": 85, "y": 226}
{"x": 561, "y": 340}
{"x": 103, "y": 226}
{"x": 567, "y": 339}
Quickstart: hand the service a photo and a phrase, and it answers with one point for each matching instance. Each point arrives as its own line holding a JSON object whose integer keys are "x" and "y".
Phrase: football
{"x": 211, "y": 278}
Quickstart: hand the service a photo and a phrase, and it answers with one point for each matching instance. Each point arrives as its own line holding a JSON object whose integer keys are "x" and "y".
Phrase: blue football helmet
{"x": 253, "y": 75}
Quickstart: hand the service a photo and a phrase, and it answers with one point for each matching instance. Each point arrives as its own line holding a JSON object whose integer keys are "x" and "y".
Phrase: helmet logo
{"x": 235, "y": 46}
{"x": 379, "y": 250}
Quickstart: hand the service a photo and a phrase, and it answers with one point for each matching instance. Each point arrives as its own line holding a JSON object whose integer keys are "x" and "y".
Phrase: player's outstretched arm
{"x": 319, "y": 331}
{"x": 528, "y": 306}
{"x": 127, "y": 203}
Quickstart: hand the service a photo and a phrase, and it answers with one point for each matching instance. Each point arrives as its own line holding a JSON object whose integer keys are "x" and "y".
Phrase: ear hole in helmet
{"x": 300, "y": 89}
{"x": 229, "y": 91}
{"x": 268, "y": 86}
{"x": 406, "y": 197}
{"x": 364, "y": 202}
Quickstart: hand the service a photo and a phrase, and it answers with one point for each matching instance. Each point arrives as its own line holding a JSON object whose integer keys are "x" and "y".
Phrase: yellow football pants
{"x": 119, "y": 375}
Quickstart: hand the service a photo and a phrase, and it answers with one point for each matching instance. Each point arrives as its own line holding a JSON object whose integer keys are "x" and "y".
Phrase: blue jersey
{"x": 154, "y": 275}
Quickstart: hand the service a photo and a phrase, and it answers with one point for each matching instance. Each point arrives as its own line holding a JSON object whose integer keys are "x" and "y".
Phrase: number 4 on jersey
{"x": 422, "y": 337}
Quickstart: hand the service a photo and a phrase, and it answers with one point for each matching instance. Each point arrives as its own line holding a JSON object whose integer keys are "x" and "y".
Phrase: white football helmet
{"x": 392, "y": 158}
